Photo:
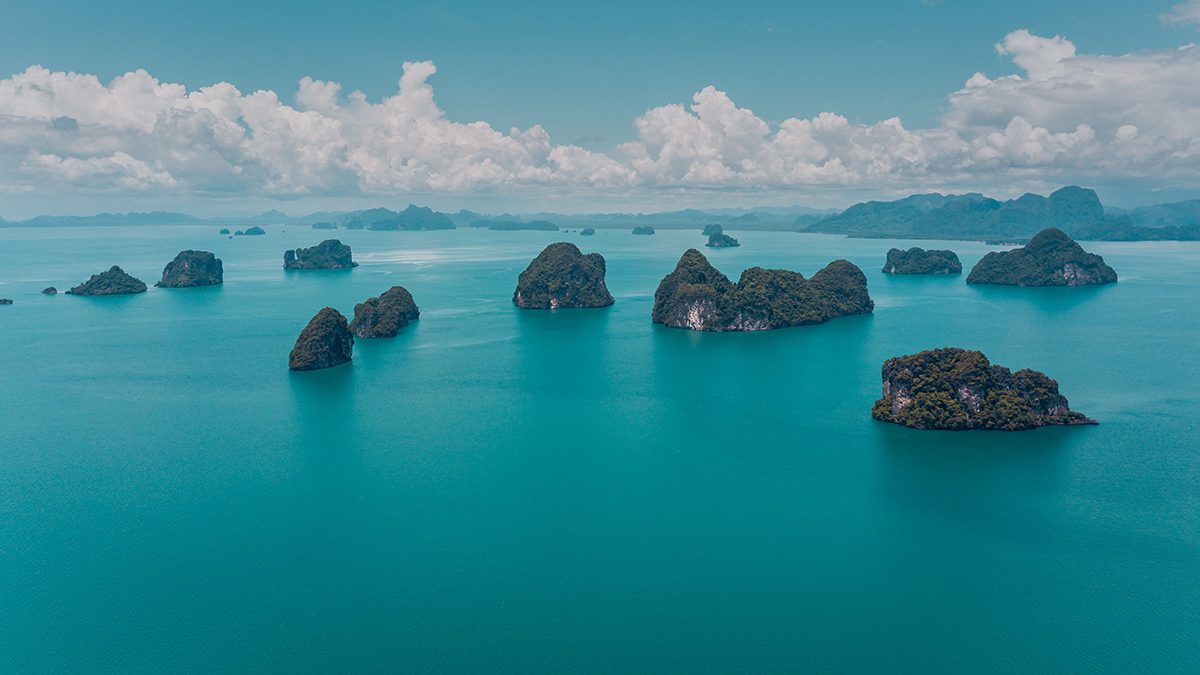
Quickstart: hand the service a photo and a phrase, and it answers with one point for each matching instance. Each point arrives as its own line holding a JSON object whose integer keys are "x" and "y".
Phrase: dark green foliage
{"x": 326, "y": 341}
{"x": 192, "y": 268}
{"x": 699, "y": 297}
{"x": 561, "y": 277}
{"x": 330, "y": 254}
{"x": 385, "y": 315}
{"x": 412, "y": 218}
{"x": 719, "y": 240}
{"x": 113, "y": 282}
{"x": 920, "y": 261}
{"x": 643, "y": 229}
{"x": 1050, "y": 259}
{"x": 710, "y": 230}
{"x": 956, "y": 389}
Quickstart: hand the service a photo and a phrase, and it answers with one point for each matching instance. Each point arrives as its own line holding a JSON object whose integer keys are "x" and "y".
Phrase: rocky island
{"x": 113, "y": 282}
{"x": 958, "y": 389}
{"x": 49, "y": 290}
{"x": 223, "y": 230}
{"x": 330, "y": 254}
{"x": 643, "y": 229}
{"x": 698, "y": 297}
{"x": 720, "y": 240}
{"x": 588, "y": 231}
{"x": 920, "y": 261}
{"x": 250, "y": 232}
{"x": 192, "y": 268}
{"x": 326, "y": 341}
{"x": 562, "y": 277}
{"x": 384, "y": 316}
{"x": 710, "y": 230}
{"x": 5, "y": 301}
{"x": 1051, "y": 258}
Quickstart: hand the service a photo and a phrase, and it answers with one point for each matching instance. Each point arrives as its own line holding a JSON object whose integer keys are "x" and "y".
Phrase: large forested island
{"x": 958, "y": 389}
{"x": 113, "y": 282}
{"x": 384, "y": 316}
{"x": 921, "y": 261}
{"x": 192, "y": 268}
{"x": 412, "y": 218}
{"x": 562, "y": 277}
{"x": 330, "y": 254}
{"x": 1050, "y": 259}
{"x": 699, "y": 297}
{"x": 325, "y": 342}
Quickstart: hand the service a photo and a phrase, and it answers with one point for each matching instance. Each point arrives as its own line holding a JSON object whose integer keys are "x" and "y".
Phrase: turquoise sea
{"x": 581, "y": 491}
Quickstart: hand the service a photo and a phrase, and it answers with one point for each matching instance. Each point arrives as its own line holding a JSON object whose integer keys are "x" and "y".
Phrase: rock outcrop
{"x": 113, "y": 282}
{"x": 326, "y": 341}
{"x": 1051, "y": 258}
{"x": 192, "y": 268}
{"x": 720, "y": 240}
{"x": 588, "y": 231}
{"x": 5, "y": 301}
{"x": 958, "y": 389}
{"x": 710, "y": 230}
{"x": 49, "y": 290}
{"x": 384, "y": 316}
{"x": 698, "y": 297}
{"x": 330, "y": 254}
{"x": 920, "y": 261}
{"x": 251, "y": 232}
{"x": 561, "y": 277}
{"x": 643, "y": 229}
{"x": 223, "y": 230}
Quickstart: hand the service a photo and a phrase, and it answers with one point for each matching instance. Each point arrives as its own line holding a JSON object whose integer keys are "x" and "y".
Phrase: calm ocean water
{"x": 581, "y": 491}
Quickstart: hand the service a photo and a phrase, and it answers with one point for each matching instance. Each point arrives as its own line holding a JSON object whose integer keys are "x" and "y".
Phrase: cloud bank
{"x": 1068, "y": 117}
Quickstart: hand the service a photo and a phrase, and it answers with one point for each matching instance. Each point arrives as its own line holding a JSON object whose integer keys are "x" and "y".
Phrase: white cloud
{"x": 1184, "y": 14}
{"x": 1069, "y": 117}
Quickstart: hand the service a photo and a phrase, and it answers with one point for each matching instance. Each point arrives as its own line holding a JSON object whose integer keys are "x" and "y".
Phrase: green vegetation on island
{"x": 719, "y": 240}
{"x": 384, "y": 316}
{"x": 410, "y": 219}
{"x": 643, "y": 229}
{"x": 1050, "y": 259}
{"x": 192, "y": 268}
{"x": 113, "y": 282}
{"x": 330, "y": 254}
{"x": 921, "y": 261}
{"x": 562, "y": 277}
{"x": 252, "y": 231}
{"x": 325, "y": 342}
{"x": 699, "y": 297}
{"x": 957, "y": 389}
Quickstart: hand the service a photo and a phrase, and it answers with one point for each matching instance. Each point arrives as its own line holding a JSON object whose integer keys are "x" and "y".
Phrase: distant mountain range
{"x": 1075, "y": 210}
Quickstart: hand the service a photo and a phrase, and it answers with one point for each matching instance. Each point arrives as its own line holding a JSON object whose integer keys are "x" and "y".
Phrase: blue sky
{"x": 582, "y": 72}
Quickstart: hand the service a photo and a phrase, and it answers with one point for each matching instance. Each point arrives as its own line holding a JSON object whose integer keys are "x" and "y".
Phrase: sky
{"x": 233, "y": 107}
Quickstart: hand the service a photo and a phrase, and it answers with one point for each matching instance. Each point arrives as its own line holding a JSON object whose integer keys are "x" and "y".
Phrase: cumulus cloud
{"x": 1067, "y": 117}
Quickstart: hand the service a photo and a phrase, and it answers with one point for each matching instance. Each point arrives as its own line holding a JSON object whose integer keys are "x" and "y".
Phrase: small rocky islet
{"x": 325, "y": 342}
{"x": 562, "y": 277}
{"x": 917, "y": 260}
{"x": 711, "y": 229}
{"x": 1051, "y": 258}
{"x": 190, "y": 269}
{"x": 112, "y": 282}
{"x": 49, "y": 290}
{"x": 384, "y": 316}
{"x": 588, "y": 231}
{"x": 330, "y": 254}
{"x": 643, "y": 229}
{"x": 699, "y": 297}
{"x": 721, "y": 240}
{"x": 254, "y": 231}
{"x": 958, "y": 389}
{"x": 6, "y": 301}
